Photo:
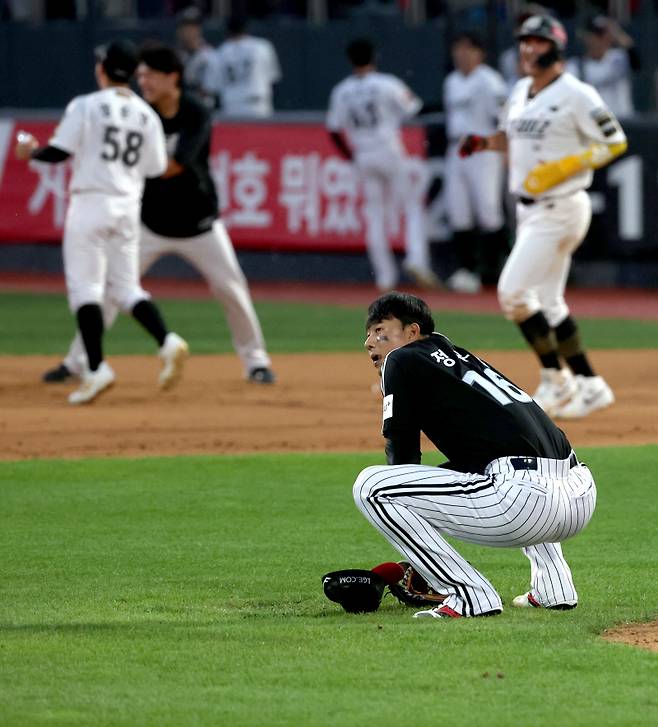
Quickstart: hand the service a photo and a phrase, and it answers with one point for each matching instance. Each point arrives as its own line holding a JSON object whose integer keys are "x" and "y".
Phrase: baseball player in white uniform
{"x": 116, "y": 140}
{"x": 608, "y": 63}
{"x": 179, "y": 216}
{"x": 243, "y": 71}
{"x": 473, "y": 95}
{"x": 369, "y": 108}
{"x": 556, "y": 130}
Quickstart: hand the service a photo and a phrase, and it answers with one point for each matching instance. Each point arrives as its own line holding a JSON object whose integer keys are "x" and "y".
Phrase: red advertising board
{"x": 281, "y": 186}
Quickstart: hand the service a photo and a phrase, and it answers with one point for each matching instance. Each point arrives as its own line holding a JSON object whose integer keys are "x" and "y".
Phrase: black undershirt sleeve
{"x": 400, "y": 426}
{"x": 50, "y": 154}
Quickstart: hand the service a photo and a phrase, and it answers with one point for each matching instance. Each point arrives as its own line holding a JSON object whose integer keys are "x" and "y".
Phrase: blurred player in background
{"x": 116, "y": 141}
{"x": 195, "y": 52}
{"x": 369, "y": 107}
{"x": 473, "y": 95}
{"x": 179, "y": 215}
{"x": 555, "y": 130}
{"x": 243, "y": 71}
{"x": 609, "y": 61}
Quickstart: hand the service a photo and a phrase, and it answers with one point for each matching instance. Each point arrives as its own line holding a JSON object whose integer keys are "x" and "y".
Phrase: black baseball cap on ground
{"x": 119, "y": 59}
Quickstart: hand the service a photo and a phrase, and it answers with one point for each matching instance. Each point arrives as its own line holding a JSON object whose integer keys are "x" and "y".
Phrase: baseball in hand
{"x": 25, "y": 143}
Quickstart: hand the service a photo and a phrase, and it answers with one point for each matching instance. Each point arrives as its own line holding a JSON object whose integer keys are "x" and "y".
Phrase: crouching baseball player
{"x": 556, "y": 130}
{"x": 512, "y": 479}
{"x": 116, "y": 140}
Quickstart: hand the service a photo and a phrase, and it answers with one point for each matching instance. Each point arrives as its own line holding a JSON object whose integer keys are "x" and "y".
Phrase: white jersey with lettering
{"x": 564, "y": 118}
{"x": 611, "y": 77}
{"x": 116, "y": 140}
{"x": 242, "y": 73}
{"x": 474, "y": 186}
{"x": 473, "y": 102}
{"x": 370, "y": 109}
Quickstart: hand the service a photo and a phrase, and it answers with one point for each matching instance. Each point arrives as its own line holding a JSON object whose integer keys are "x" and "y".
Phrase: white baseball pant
{"x": 474, "y": 190}
{"x": 100, "y": 250}
{"x": 390, "y": 187}
{"x": 415, "y": 506}
{"x": 534, "y": 277}
{"x": 212, "y": 254}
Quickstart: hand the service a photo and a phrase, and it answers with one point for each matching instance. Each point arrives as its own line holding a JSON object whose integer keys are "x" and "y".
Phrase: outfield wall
{"x": 290, "y": 203}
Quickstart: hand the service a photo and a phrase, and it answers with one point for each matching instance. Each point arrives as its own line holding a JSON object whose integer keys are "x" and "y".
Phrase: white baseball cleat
{"x": 464, "y": 281}
{"x": 173, "y": 352}
{"x": 592, "y": 394}
{"x": 556, "y": 388}
{"x": 93, "y": 383}
{"x": 527, "y": 600}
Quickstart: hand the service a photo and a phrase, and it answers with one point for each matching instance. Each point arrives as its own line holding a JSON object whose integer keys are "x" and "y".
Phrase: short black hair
{"x": 470, "y": 37}
{"x": 403, "y": 306}
{"x": 361, "y": 52}
{"x": 161, "y": 58}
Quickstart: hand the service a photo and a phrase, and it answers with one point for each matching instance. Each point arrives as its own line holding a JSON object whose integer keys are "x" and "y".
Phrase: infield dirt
{"x": 321, "y": 402}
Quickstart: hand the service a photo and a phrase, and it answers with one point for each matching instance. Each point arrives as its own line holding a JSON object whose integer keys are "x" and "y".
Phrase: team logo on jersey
{"x": 605, "y": 120}
{"x": 530, "y": 128}
{"x": 387, "y": 411}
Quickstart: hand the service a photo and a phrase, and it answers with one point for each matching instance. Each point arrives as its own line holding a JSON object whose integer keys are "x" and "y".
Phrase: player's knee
{"x": 84, "y": 295}
{"x": 366, "y": 480}
{"x": 516, "y": 306}
{"x": 556, "y": 312}
{"x": 127, "y": 299}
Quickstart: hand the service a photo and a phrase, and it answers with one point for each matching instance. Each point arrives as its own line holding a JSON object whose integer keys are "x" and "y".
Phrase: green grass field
{"x": 43, "y": 324}
{"x": 187, "y": 591}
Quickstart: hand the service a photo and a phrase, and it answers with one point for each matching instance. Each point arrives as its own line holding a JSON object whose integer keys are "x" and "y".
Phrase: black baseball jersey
{"x": 470, "y": 411}
{"x": 186, "y": 204}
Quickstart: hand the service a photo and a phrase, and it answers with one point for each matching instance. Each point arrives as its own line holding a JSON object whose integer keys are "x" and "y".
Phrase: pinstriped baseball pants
{"x": 536, "y": 508}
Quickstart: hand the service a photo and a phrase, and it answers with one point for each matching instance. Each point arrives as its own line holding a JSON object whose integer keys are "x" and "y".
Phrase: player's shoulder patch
{"x": 387, "y": 407}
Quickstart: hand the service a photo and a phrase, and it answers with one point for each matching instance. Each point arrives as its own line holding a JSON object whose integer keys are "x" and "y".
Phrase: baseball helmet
{"x": 544, "y": 26}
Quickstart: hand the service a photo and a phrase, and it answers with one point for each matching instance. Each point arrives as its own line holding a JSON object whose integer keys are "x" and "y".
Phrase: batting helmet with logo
{"x": 544, "y": 26}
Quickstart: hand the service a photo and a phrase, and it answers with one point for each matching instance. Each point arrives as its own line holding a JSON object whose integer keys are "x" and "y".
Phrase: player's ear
{"x": 413, "y": 331}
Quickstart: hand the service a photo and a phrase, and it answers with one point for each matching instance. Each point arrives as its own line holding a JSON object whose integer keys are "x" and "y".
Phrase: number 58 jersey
{"x": 116, "y": 140}
{"x": 470, "y": 411}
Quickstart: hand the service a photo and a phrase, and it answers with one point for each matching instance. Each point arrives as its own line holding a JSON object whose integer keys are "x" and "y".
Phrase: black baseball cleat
{"x": 261, "y": 375}
{"x": 57, "y": 375}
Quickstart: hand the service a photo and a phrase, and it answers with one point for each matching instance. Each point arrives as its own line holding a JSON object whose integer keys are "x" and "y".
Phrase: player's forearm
{"x": 341, "y": 145}
{"x": 496, "y": 142}
{"x": 50, "y": 154}
{"x": 472, "y": 144}
{"x": 403, "y": 449}
{"x": 173, "y": 169}
{"x": 548, "y": 175}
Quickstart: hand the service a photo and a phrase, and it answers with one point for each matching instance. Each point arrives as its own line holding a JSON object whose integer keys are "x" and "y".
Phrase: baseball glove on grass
{"x": 413, "y": 589}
